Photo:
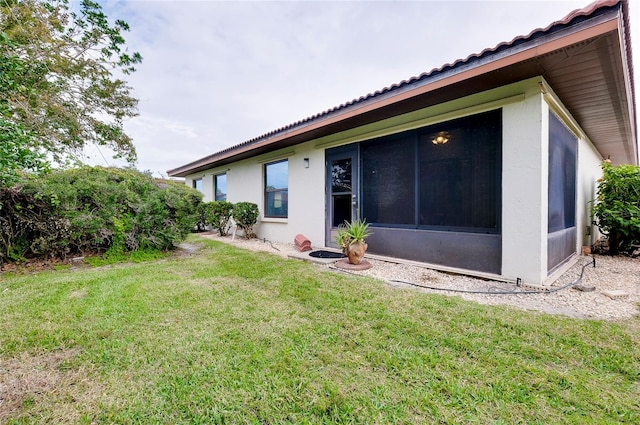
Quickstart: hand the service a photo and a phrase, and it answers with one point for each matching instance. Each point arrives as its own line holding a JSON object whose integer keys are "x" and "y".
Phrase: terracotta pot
{"x": 355, "y": 252}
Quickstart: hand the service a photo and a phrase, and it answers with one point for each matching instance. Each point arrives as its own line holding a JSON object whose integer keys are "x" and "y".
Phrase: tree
{"x": 617, "y": 209}
{"x": 15, "y": 154}
{"x": 60, "y": 85}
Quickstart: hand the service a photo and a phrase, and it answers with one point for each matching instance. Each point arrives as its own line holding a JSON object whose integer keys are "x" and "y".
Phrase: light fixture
{"x": 441, "y": 138}
{"x": 306, "y": 162}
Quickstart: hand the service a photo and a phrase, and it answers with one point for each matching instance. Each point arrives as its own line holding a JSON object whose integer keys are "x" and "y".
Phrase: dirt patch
{"x": 40, "y": 380}
{"x": 79, "y": 293}
{"x": 187, "y": 249}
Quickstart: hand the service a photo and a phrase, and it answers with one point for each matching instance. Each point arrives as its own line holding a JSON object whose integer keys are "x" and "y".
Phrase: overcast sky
{"x": 216, "y": 74}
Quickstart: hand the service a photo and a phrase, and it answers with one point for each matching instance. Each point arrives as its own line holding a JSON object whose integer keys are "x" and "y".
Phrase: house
{"x": 487, "y": 165}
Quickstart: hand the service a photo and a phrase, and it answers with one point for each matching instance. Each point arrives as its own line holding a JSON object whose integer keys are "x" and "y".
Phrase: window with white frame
{"x": 220, "y": 181}
{"x": 197, "y": 184}
{"x": 276, "y": 189}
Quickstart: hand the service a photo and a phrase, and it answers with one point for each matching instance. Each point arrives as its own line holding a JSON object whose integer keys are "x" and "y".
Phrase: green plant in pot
{"x": 351, "y": 238}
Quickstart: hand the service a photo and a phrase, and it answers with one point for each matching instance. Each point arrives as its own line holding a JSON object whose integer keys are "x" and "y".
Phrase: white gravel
{"x": 610, "y": 274}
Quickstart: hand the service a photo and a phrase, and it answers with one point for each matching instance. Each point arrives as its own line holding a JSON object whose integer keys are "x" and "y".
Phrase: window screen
{"x": 388, "y": 179}
{"x": 459, "y": 179}
{"x": 562, "y": 176}
{"x": 446, "y": 176}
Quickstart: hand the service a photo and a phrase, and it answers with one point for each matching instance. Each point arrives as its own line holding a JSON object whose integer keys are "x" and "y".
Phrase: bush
{"x": 94, "y": 209}
{"x": 201, "y": 217}
{"x": 617, "y": 208}
{"x": 245, "y": 214}
{"x": 214, "y": 214}
{"x": 218, "y": 214}
{"x": 28, "y": 225}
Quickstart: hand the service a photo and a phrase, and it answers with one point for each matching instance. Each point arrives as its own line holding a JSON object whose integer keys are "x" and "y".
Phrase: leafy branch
{"x": 60, "y": 78}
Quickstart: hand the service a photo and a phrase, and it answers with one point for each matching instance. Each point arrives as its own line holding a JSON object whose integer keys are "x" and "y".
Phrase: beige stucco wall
{"x": 306, "y": 195}
{"x": 524, "y": 174}
{"x": 589, "y": 171}
{"x": 245, "y": 183}
{"x": 525, "y": 182}
{"x": 207, "y": 184}
{"x": 524, "y": 187}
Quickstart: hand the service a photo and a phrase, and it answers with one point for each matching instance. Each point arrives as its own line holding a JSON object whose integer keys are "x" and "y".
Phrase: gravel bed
{"x": 610, "y": 274}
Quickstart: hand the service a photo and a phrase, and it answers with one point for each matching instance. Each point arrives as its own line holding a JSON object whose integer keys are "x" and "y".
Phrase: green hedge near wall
{"x": 617, "y": 207}
{"x": 93, "y": 209}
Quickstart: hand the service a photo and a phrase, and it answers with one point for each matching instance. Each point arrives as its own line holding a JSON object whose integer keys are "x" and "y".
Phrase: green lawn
{"x": 232, "y": 336}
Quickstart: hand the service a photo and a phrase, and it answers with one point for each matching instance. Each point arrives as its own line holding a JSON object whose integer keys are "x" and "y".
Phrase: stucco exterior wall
{"x": 207, "y": 184}
{"x": 306, "y": 199}
{"x": 589, "y": 171}
{"x": 524, "y": 187}
{"x": 245, "y": 183}
{"x": 524, "y": 216}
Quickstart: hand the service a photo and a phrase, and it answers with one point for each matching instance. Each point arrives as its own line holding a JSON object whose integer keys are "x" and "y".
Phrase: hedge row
{"x": 93, "y": 209}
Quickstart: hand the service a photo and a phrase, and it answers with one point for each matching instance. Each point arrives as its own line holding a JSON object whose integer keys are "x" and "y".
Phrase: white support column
{"x": 525, "y": 166}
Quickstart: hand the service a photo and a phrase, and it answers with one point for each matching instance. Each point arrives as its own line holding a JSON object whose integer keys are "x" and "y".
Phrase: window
{"x": 388, "y": 168}
{"x": 562, "y": 176}
{"x": 197, "y": 184}
{"x": 276, "y": 193}
{"x": 460, "y": 179}
{"x": 341, "y": 190}
{"x": 445, "y": 176}
{"x": 221, "y": 187}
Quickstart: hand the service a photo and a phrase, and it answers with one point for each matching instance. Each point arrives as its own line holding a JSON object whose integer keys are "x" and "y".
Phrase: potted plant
{"x": 351, "y": 238}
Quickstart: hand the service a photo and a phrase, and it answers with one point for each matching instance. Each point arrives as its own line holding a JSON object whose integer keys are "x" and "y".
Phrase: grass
{"x": 232, "y": 336}
{"x": 139, "y": 256}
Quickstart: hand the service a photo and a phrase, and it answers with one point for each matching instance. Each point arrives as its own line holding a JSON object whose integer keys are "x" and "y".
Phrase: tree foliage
{"x": 617, "y": 209}
{"x": 60, "y": 80}
{"x": 16, "y": 155}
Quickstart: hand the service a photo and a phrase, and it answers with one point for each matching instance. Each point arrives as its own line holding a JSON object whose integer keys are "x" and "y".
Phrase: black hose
{"x": 493, "y": 290}
{"x": 265, "y": 240}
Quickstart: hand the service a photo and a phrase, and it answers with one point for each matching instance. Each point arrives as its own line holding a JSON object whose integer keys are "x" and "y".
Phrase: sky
{"x": 216, "y": 74}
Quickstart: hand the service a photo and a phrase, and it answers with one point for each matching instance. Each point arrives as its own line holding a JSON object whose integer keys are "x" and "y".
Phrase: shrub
{"x": 201, "y": 217}
{"x": 218, "y": 215}
{"x": 28, "y": 225}
{"x": 91, "y": 209}
{"x": 617, "y": 208}
{"x": 245, "y": 214}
